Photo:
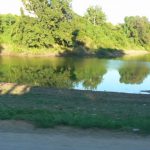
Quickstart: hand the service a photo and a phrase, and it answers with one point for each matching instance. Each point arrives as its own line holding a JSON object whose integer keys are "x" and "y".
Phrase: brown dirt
{"x": 16, "y": 135}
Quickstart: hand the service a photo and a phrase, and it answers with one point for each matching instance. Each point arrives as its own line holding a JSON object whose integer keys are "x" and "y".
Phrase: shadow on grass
{"x": 82, "y": 51}
{"x": 1, "y": 48}
{"x": 79, "y": 51}
{"x": 109, "y": 53}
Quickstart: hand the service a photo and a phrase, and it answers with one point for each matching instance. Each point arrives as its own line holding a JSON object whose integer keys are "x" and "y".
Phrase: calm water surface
{"x": 129, "y": 75}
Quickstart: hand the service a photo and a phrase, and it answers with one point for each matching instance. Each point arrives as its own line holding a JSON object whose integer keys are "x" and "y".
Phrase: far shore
{"x": 110, "y": 53}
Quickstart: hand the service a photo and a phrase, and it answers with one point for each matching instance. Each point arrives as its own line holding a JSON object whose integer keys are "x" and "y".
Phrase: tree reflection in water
{"x": 60, "y": 75}
{"x": 133, "y": 73}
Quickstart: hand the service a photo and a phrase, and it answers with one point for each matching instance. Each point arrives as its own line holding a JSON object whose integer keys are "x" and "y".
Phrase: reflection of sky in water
{"x": 111, "y": 81}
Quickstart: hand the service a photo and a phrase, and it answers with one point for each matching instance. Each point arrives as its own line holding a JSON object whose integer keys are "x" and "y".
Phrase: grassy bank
{"x": 85, "y": 109}
{"x": 16, "y": 50}
{"x": 57, "y": 51}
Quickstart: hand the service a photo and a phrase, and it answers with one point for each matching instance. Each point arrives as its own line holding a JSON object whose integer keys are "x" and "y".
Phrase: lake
{"x": 128, "y": 74}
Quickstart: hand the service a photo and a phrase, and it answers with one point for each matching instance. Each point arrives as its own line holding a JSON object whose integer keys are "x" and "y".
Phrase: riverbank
{"x": 46, "y": 107}
{"x": 136, "y": 52}
{"x": 77, "y": 52}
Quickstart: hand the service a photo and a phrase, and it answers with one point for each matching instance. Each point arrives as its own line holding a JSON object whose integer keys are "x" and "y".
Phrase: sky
{"x": 115, "y": 10}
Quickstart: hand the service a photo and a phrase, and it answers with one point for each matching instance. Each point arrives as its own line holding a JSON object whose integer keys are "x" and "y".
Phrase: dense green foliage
{"x": 95, "y": 15}
{"x": 138, "y": 30}
{"x": 53, "y": 25}
{"x": 47, "y": 27}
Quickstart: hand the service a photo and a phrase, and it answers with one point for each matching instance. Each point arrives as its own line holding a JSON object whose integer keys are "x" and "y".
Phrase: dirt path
{"x": 135, "y": 52}
{"x": 22, "y": 136}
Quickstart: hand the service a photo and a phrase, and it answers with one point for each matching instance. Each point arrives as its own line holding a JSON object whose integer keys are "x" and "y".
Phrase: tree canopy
{"x": 95, "y": 15}
{"x": 138, "y": 29}
{"x": 52, "y": 24}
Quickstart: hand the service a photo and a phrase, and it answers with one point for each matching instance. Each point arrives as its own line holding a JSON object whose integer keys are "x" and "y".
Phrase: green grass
{"x": 19, "y": 50}
{"x": 10, "y": 48}
{"x": 52, "y": 107}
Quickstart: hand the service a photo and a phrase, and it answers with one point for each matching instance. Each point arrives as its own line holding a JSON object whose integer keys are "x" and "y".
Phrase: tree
{"x": 1, "y": 27}
{"x": 52, "y": 15}
{"x": 137, "y": 29}
{"x": 48, "y": 26}
{"x": 95, "y": 15}
{"x": 29, "y": 32}
{"x": 53, "y": 24}
{"x": 7, "y": 21}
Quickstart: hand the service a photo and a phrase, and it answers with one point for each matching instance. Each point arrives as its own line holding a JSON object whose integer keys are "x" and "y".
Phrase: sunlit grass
{"x": 10, "y": 88}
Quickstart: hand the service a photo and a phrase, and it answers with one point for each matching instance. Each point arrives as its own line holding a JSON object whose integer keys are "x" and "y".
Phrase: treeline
{"x": 53, "y": 25}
